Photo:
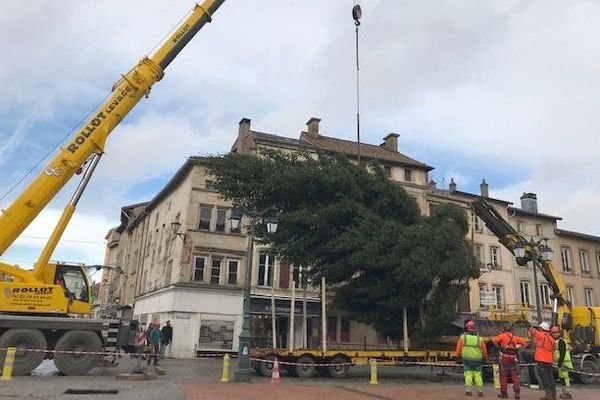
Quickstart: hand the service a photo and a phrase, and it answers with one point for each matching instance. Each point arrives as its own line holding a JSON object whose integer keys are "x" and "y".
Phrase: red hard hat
{"x": 470, "y": 326}
{"x": 554, "y": 330}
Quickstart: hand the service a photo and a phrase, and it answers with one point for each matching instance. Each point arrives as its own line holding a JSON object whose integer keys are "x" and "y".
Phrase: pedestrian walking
{"x": 544, "y": 355}
{"x": 472, "y": 353}
{"x": 562, "y": 359}
{"x": 508, "y": 344}
{"x": 167, "y": 338}
{"x": 154, "y": 338}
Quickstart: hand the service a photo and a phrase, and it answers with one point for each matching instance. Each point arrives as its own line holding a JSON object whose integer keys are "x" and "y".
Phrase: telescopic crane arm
{"x": 90, "y": 140}
{"x": 512, "y": 240}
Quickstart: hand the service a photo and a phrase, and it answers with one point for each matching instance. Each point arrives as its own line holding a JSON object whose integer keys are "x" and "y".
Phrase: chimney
{"x": 243, "y": 145}
{"x": 313, "y": 127}
{"x": 432, "y": 184}
{"x": 391, "y": 142}
{"x": 529, "y": 202}
{"x": 485, "y": 189}
{"x": 452, "y": 185}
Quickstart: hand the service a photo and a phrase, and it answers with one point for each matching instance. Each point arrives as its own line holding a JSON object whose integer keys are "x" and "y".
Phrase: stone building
{"x": 182, "y": 262}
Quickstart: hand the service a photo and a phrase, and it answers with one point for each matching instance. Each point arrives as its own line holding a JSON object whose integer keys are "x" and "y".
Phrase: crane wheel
{"x": 25, "y": 361}
{"x": 78, "y": 341}
{"x": 590, "y": 366}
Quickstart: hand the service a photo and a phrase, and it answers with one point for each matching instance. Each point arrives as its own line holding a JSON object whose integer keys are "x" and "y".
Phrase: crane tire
{"x": 25, "y": 361}
{"x": 79, "y": 341}
{"x": 590, "y": 366}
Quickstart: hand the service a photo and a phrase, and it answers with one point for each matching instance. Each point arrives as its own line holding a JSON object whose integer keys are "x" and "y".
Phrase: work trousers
{"x": 509, "y": 368}
{"x": 563, "y": 374}
{"x": 546, "y": 374}
{"x": 473, "y": 375}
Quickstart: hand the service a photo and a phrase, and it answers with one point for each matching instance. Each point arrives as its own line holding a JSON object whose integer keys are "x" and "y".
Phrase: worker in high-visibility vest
{"x": 471, "y": 351}
{"x": 562, "y": 359}
{"x": 544, "y": 356}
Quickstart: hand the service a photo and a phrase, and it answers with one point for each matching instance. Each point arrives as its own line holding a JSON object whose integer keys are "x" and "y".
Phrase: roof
{"x": 126, "y": 217}
{"x": 562, "y": 232}
{"x": 467, "y": 194}
{"x": 533, "y": 214}
{"x": 281, "y": 140}
{"x": 168, "y": 189}
{"x": 367, "y": 150}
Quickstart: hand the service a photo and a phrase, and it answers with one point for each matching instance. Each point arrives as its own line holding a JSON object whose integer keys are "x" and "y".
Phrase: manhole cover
{"x": 91, "y": 391}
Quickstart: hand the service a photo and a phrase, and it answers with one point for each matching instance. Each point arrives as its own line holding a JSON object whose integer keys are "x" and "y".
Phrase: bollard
{"x": 8, "y": 364}
{"x": 373, "y": 380}
{"x": 225, "y": 376}
{"x": 496, "y": 369}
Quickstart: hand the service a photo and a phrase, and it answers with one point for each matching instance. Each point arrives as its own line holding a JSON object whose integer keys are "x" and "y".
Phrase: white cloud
{"x": 83, "y": 240}
{"x": 507, "y": 83}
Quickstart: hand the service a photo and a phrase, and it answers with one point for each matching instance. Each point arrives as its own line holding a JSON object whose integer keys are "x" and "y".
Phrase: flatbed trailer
{"x": 308, "y": 363}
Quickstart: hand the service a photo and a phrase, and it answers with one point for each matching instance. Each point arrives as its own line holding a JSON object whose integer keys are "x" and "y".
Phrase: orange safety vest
{"x": 544, "y": 347}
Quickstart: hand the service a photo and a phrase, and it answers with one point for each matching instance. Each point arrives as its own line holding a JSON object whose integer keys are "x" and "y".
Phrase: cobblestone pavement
{"x": 199, "y": 379}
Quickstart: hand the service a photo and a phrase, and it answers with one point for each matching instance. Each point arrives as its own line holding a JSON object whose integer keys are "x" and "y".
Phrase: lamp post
{"x": 537, "y": 251}
{"x": 242, "y": 373}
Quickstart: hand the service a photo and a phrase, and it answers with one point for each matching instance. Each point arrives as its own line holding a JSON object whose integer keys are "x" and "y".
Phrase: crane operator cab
{"x": 61, "y": 288}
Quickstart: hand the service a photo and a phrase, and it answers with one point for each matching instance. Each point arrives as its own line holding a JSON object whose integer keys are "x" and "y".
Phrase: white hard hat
{"x": 545, "y": 326}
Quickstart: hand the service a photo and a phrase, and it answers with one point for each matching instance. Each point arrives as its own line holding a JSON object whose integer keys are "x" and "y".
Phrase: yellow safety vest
{"x": 471, "y": 350}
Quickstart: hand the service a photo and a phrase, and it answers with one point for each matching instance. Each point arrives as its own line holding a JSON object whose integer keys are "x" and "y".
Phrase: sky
{"x": 504, "y": 90}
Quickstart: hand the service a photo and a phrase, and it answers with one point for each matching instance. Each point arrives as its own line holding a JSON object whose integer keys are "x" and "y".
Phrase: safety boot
{"x": 503, "y": 395}
{"x": 566, "y": 396}
{"x": 517, "y": 395}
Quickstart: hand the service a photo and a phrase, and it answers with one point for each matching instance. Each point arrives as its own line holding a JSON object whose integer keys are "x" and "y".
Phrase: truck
{"x": 579, "y": 324}
{"x": 43, "y": 310}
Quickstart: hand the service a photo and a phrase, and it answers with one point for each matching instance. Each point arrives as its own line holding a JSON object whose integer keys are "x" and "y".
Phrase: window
{"x": 495, "y": 257}
{"x": 571, "y": 295}
{"x": 199, "y": 263}
{"x": 478, "y": 250}
{"x": 266, "y": 264}
{"x": 520, "y": 226}
{"x": 221, "y": 218}
{"x": 387, "y": 170}
{"x": 482, "y": 294}
{"x": 205, "y": 215}
{"x": 300, "y": 278}
{"x": 215, "y": 272}
{"x": 583, "y": 261}
{"x": 345, "y": 330}
{"x": 332, "y": 329}
{"x": 545, "y": 295}
{"x": 498, "y": 291}
{"x": 477, "y": 224}
{"x": 525, "y": 293}
{"x": 232, "y": 272}
{"x": 588, "y": 294}
{"x": 598, "y": 262}
{"x": 565, "y": 254}
{"x": 539, "y": 230}
{"x": 407, "y": 175}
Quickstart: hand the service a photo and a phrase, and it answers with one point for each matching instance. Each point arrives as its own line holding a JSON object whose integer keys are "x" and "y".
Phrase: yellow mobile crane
{"x": 35, "y": 304}
{"x": 579, "y": 324}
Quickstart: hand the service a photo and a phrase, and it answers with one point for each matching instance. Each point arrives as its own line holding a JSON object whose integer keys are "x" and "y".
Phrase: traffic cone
{"x": 275, "y": 374}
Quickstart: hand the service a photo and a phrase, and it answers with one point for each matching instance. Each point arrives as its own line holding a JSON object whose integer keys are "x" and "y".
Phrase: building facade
{"x": 180, "y": 260}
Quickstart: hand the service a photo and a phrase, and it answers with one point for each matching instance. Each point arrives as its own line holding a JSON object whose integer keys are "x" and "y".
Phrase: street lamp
{"x": 175, "y": 226}
{"x": 242, "y": 373}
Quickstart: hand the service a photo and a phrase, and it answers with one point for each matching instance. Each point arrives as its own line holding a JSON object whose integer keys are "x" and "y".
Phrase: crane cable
{"x": 356, "y": 15}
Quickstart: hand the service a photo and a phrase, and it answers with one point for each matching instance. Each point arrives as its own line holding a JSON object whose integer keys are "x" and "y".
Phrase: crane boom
{"x": 91, "y": 138}
{"x": 511, "y": 239}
